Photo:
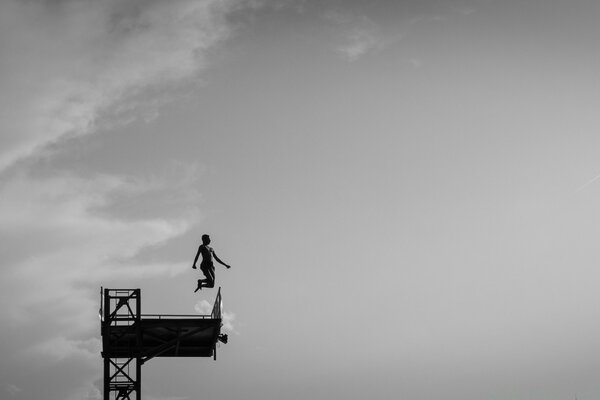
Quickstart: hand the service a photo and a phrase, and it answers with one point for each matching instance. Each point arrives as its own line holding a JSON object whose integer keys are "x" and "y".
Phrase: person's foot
{"x": 199, "y": 286}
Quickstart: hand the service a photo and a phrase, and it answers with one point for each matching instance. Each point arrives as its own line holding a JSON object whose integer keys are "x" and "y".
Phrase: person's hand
{"x": 194, "y": 266}
{"x": 228, "y": 266}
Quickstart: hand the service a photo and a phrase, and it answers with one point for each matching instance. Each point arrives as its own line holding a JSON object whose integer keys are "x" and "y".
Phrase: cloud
{"x": 228, "y": 318}
{"x": 12, "y": 390}
{"x": 368, "y": 27}
{"x": 60, "y": 348}
{"x": 60, "y": 239}
{"x": 416, "y": 62}
{"x": 203, "y": 307}
{"x": 150, "y": 397}
{"x": 67, "y": 64}
{"x": 67, "y": 69}
{"x": 61, "y": 242}
{"x": 360, "y": 42}
{"x": 360, "y": 34}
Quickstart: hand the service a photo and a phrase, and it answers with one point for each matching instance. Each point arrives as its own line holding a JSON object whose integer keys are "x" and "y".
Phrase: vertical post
{"x": 105, "y": 336}
{"x": 138, "y": 377}
{"x": 106, "y": 393}
{"x": 138, "y": 350}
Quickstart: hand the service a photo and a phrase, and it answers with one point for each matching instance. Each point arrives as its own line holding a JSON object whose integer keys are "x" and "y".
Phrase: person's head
{"x": 205, "y": 239}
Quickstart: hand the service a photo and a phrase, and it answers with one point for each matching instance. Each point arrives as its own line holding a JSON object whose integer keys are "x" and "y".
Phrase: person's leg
{"x": 202, "y": 282}
{"x": 209, "y": 282}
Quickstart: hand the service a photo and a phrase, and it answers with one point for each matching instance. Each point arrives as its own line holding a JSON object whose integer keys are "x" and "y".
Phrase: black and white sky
{"x": 407, "y": 191}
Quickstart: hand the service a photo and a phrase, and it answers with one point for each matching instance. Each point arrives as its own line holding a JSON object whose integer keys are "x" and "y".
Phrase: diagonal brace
{"x": 168, "y": 345}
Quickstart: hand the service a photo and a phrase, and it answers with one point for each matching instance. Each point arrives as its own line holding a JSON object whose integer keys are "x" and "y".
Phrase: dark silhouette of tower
{"x": 130, "y": 339}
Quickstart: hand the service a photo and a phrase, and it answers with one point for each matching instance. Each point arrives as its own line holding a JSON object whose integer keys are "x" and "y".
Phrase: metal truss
{"x": 129, "y": 339}
{"x": 121, "y": 316}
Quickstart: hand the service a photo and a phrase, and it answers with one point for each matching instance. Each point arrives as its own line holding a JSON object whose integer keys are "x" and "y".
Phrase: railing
{"x": 176, "y": 316}
{"x": 118, "y": 302}
{"x": 216, "y": 311}
{"x": 215, "y": 314}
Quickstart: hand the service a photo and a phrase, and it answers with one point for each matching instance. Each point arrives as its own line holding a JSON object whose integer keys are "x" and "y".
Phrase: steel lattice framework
{"x": 129, "y": 339}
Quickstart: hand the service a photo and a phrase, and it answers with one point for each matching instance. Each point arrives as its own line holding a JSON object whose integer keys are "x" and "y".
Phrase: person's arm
{"x": 219, "y": 260}
{"x": 196, "y": 258}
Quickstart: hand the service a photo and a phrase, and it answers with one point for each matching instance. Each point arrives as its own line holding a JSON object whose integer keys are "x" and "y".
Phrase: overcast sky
{"x": 407, "y": 191}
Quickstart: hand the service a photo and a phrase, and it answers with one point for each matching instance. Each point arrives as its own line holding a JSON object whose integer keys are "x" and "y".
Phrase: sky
{"x": 407, "y": 192}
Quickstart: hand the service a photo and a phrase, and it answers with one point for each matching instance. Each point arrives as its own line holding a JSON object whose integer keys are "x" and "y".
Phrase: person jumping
{"x": 206, "y": 266}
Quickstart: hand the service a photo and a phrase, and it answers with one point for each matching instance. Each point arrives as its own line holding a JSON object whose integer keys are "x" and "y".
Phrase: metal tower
{"x": 130, "y": 338}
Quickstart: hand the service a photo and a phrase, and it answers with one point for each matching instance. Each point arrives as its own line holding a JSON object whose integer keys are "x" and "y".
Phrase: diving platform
{"x": 164, "y": 337}
{"x": 130, "y": 339}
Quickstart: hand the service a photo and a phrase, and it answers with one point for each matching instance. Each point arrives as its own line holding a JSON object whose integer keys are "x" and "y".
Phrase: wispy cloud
{"x": 364, "y": 27}
{"x": 60, "y": 246}
{"x": 588, "y": 183}
{"x": 56, "y": 229}
{"x": 67, "y": 69}
{"x": 11, "y": 389}
{"x": 359, "y": 43}
{"x": 67, "y": 64}
{"x": 359, "y": 34}
{"x": 203, "y": 307}
{"x": 150, "y": 397}
{"x": 228, "y": 318}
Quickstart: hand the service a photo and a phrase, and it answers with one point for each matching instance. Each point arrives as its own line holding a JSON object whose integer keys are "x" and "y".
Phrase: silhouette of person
{"x": 206, "y": 266}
